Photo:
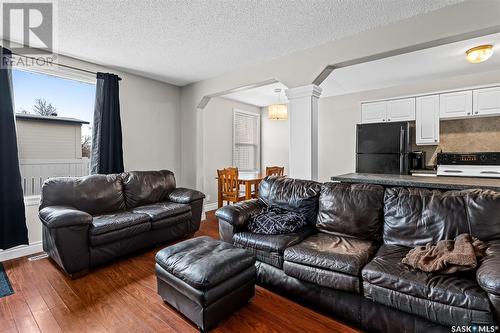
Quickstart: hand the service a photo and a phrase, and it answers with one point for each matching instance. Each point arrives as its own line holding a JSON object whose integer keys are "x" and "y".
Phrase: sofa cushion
{"x": 414, "y": 216}
{"x": 323, "y": 277}
{"x": 162, "y": 210}
{"x": 297, "y": 195}
{"x": 111, "y": 227}
{"x": 95, "y": 194}
{"x": 351, "y": 209}
{"x": 147, "y": 187}
{"x": 456, "y": 290}
{"x": 482, "y": 211}
{"x": 331, "y": 252}
{"x": 270, "y": 248}
{"x": 170, "y": 221}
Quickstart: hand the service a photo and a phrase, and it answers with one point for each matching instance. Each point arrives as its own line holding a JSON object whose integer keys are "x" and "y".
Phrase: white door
{"x": 401, "y": 109}
{"x": 456, "y": 104}
{"x": 487, "y": 101}
{"x": 375, "y": 112}
{"x": 427, "y": 120}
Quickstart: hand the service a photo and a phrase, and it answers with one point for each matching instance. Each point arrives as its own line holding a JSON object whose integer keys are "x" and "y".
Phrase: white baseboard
{"x": 21, "y": 251}
{"x": 210, "y": 206}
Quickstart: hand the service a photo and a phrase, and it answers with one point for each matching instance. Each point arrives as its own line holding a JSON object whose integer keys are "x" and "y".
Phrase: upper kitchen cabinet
{"x": 427, "y": 120}
{"x": 374, "y": 112}
{"x": 388, "y": 111}
{"x": 456, "y": 104}
{"x": 486, "y": 101}
{"x": 401, "y": 109}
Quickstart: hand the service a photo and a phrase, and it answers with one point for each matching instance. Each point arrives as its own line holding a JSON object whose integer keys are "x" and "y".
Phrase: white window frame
{"x": 257, "y": 151}
{"x": 60, "y": 73}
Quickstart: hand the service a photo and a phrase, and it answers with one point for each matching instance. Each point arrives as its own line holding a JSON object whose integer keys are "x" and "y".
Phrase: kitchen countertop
{"x": 443, "y": 183}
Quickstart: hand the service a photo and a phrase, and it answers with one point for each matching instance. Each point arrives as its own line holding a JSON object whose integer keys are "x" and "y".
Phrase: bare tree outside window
{"x": 86, "y": 145}
{"x": 43, "y": 108}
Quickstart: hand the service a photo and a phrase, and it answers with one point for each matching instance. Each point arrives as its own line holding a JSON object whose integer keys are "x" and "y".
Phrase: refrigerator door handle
{"x": 401, "y": 140}
{"x": 401, "y": 164}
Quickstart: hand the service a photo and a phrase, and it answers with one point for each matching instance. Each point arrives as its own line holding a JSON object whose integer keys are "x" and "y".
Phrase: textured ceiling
{"x": 187, "y": 41}
{"x": 430, "y": 64}
{"x": 261, "y": 96}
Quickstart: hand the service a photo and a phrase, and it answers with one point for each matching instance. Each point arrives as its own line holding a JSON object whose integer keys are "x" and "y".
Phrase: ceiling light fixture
{"x": 479, "y": 53}
{"x": 278, "y": 111}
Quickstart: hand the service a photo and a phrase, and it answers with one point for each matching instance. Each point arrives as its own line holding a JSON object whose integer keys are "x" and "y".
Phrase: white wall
{"x": 302, "y": 67}
{"x": 275, "y": 142}
{"x": 218, "y": 140}
{"x": 150, "y": 115}
{"x": 339, "y": 115}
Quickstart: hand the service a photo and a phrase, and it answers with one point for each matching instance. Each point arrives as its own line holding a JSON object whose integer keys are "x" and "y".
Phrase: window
{"x": 246, "y": 141}
{"x": 53, "y": 118}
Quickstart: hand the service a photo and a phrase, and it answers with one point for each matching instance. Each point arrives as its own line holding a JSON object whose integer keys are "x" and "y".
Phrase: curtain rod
{"x": 62, "y": 65}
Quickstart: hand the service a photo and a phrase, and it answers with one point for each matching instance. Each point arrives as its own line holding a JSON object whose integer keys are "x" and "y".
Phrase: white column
{"x": 303, "y": 115}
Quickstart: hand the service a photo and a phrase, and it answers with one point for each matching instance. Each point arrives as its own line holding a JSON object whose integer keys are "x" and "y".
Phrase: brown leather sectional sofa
{"x": 91, "y": 220}
{"x": 347, "y": 261}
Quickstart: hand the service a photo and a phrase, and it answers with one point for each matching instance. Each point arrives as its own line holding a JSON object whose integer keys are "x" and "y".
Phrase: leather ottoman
{"x": 205, "y": 279}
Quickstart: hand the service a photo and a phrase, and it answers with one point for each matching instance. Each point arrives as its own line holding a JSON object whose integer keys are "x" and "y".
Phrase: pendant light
{"x": 278, "y": 111}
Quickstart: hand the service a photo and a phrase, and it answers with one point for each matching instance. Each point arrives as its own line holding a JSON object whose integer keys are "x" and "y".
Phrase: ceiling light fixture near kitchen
{"x": 278, "y": 111}
{"x": 479, "y": 53}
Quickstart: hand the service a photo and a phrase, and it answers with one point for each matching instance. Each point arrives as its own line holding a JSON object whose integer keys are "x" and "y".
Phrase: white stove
{"x": 469, "y": 164}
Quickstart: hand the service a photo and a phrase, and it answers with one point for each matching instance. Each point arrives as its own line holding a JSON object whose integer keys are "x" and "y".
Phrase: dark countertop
{"x": 443, "y": 183}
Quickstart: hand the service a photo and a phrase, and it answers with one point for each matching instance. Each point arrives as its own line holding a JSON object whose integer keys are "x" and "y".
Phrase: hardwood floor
{"x": 121, "y": 297}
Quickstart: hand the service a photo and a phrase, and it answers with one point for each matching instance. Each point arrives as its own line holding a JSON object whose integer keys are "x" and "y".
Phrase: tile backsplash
{"x": 464, "y": 135}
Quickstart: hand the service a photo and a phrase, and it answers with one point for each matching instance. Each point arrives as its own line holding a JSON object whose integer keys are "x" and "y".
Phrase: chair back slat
{"x": 275, "y": 171}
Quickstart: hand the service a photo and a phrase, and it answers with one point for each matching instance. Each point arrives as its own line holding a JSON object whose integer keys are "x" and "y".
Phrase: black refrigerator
{"x": 383, "y": 148}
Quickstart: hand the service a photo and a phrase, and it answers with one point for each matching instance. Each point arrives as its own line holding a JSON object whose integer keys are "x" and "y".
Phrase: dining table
{"x": 247, "y": 180}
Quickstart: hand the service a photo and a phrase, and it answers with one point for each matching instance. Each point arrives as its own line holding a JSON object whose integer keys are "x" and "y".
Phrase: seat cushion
{"x": 204, "y": 262}
{"x": 331, "y": 252}
{"x": 111, "y": 227}
{"x": 270, "y": 248}
{"x": 455, "y": 298}
{"x": 323, "y": 277}
{"x": 162, "y": 210}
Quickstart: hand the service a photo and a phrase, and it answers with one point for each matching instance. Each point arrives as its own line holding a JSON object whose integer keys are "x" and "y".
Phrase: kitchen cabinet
{"x": 455, "y": 105}
{"x": 486, "y": 101}
{"x": 375, "y": 112}
{"x": 388, "y": 111}
{"x": 401, "y": 110}
{"x": 427, "y": 120}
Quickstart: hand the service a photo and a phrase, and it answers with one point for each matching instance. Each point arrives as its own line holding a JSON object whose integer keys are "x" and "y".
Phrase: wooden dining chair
{"x": 229, "y": 186}
{"x": 275, "y": 171}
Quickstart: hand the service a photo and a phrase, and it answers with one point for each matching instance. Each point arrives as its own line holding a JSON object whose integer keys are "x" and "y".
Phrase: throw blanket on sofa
{"x": 447, "y": 256}
{"x": 274, "y": 220}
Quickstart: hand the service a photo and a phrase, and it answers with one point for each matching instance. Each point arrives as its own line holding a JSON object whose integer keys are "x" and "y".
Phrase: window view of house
{"x": 53, "y": 118}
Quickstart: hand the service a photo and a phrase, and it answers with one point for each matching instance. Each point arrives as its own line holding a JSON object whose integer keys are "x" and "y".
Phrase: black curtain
{"x": 107, "y": 150}
{"x": 13, "y": 231}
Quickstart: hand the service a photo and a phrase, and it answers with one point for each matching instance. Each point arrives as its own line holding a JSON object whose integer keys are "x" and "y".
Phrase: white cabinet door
{"x": 487, "y": 101}
{"x": 456, "y": 104}
{"x": 375, "y": 112}
{"x": 401, "y": 109}
{"x": 427, "y": 120}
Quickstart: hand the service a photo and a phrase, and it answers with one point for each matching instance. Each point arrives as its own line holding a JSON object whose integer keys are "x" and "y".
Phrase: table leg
{"x": 248, "y": 190}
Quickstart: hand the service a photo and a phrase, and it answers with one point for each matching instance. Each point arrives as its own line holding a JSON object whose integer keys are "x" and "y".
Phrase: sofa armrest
{"x": 238, "y": 215}
{"x": 185, "y": 195}
{"x": 63, "y": 216}
{"x": 488, "y": 273}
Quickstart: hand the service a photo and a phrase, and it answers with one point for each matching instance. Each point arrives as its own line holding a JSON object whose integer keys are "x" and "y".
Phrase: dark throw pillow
{"x": 274, "y": 220}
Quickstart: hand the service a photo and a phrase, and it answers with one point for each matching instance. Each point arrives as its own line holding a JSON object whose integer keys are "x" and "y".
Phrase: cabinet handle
{"x": 388, "y": 120}
{"x": 468, "y": 113}
{"x": 435, "y": 140}
{"x": 477, "y": 112}
{"x": 383, "y": 119}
